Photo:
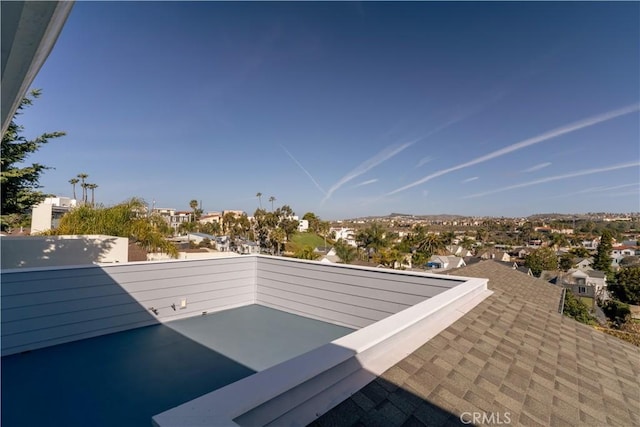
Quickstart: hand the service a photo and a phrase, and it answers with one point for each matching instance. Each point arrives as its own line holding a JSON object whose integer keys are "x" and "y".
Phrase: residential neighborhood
{"x": 503, "y": 239}
{"x": 564, "y": 251}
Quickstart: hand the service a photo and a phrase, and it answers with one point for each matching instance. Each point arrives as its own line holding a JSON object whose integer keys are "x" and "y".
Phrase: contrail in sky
{"x": 537, "y": 167}
{"x": 389, "y": 152}
{"x": 623, "y": 193}
{"x": 470, "y": 179}
{"x": 370, "y": 181}
{"x": 527, "y": 142}
{"x": 615, "y": 187}
{"x": 557, "y": 178}
{"x": 374, "y": 161}
{"x": 597, "y": 189}
{"x": 424, "y": 161}
{"x": 304, "y": 170}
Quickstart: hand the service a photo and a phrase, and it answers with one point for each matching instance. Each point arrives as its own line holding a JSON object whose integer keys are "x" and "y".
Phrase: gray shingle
{"x": 512, "y": 353}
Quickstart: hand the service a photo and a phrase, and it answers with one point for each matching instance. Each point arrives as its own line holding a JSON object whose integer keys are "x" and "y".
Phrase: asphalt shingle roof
{"x": 516, "y": 284}
{"x": 512, "y": 354}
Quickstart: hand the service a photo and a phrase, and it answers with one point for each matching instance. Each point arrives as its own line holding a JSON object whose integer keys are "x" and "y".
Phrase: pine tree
{"x": 602, "y": 260}
{"x": 19, "y": 181}
{"x": 541, "y": 259}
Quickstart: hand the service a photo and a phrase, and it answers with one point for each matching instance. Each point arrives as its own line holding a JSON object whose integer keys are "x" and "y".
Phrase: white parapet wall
{"x": 341, "y": 294}
{"x": 297, "y": 391}
{"x": 192, "y": 255}
{"x": 395, "y": 312}
{"x": 42, "y": 307}
{"x": 51, "y": 251}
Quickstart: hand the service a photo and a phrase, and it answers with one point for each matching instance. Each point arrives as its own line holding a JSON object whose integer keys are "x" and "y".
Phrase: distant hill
{"x": 535, "y": 217}
{"x": 439, "y": 217}
{"x": 578, "y": 216}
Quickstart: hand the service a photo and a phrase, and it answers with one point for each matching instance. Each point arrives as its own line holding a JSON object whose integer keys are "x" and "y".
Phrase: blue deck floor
{"x": 124, "y": 379}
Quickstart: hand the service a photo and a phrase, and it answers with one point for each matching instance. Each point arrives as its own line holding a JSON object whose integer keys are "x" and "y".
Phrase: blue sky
{"x": 348, "y": 109}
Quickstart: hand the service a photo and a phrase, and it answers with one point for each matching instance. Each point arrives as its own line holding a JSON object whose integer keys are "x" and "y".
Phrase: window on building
{"x": 582, "y": 290}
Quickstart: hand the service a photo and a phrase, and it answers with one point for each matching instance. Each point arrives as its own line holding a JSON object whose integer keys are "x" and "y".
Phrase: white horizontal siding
{"x": 299, "y": 390}
{"x": 47, "y": 307}
{"x": 42, "y": 307}
{"x": 31, "y": 318}
{"x": 319, "y": 313}
{"x": 353, "y": 297}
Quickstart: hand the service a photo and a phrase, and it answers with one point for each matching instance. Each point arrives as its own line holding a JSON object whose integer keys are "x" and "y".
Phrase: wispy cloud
{"x": 526, "y": 143}
{"x": 389, "y": 152}
{"x": 369, "y": 164}
{"x": 462, "y": 115}
{"x": 537, "y": 167}
{"x": 370, "y": 181}
{"x": 470, "y": 179}
{"x": 423, "y": 161}
{"x": 557, "y": 178}
{"x": 615, "y": 187}
{"x": 304, "y": 170}
{"x": 598, "y": 189}
{"x": 624, "y": 193}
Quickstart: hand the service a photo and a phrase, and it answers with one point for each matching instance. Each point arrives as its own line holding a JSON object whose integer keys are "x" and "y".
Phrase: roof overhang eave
{"x": 29, "y": 32}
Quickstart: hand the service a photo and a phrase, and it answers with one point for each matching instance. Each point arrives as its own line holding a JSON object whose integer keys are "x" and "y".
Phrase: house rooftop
{"x": 514, "y": 355}
{"x": 504, "y": 278}
{"x": 597, "y": 274}
{"x": 203, "y": 235}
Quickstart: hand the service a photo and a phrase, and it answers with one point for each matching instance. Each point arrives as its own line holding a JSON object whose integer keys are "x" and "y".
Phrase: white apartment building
{"x": 174, "y": 218}
{"x": 46, "y": 215}
{"x": 346, "y": 234}
{"x": 210, "y": 218}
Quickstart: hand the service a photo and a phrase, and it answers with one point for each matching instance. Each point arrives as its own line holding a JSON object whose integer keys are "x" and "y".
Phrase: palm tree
{"x": 482, "y": 235}
{"x": 306, "y": 252}
{"x": 120, "y": 220}
{"x": 84, "y": 192}
{"x": 391, "y": 258}
{"x": 228, "y": 222}
{"x": 525, "y": 232}
{"x": 73, "y": 182}
{"x": 259, "y": 196}
{"x": 373, "y": 237}
{"x": 193, "y": 204}
{"x": 92, "y": 187}
{"x": 448, "y": 237}
{"x": 466, "y": 243}
{"x": 82, "y": 177}
{"x": 431, "y": 244}
{"x": 345, "y": 252}
{"x": 277, "y": 238}
{"x": 323, "y": 229}
{"x": 272, "y": 199}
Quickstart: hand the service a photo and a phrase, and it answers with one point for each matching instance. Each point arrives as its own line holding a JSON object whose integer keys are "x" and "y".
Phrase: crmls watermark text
{"x": 490, "y": 418}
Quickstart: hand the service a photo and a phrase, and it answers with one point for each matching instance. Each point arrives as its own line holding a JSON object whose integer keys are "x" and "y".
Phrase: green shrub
{"x": 577, "y": 310}
{"x": 626, "y": 287}
{"x": 205, "y": 243}
{"x": 618, "y": 312}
